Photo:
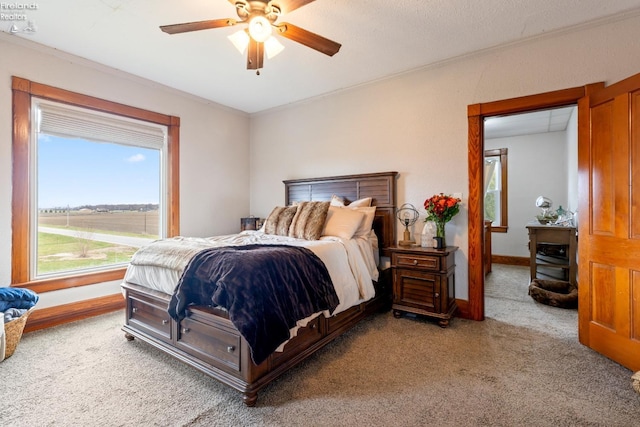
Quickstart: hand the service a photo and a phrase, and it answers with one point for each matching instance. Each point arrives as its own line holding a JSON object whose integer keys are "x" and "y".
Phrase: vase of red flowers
{"x": 440, "y": 209}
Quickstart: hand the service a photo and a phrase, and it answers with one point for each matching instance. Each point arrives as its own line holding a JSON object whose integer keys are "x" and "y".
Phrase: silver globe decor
{"x": 408, "y": 215}
{"x": 547, "y": 215}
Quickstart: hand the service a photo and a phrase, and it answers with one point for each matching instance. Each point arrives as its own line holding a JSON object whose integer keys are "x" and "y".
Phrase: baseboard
{"x": 53, "y": 316}
{"x": 463, "y": 309}
{"x": 509, "y": 260}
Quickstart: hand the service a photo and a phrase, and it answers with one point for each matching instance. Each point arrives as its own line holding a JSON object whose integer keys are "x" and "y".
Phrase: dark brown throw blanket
{"x": 265, "y": 288}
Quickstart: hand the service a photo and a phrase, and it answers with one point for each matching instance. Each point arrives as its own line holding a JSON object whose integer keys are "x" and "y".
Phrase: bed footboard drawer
{"x": 338, "y": 323}
{"x": 149, "y": 315}
{"x": 209, "y": 342}
{"x": 306, "y": 336}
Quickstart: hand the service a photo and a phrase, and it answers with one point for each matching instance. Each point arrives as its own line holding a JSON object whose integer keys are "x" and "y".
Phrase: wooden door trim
{"x": 476, "y": 114}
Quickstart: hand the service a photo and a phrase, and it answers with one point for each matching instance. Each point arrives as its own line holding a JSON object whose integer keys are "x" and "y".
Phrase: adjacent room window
{"x": 92, "y": 182}
{"x": 495, "y": 189}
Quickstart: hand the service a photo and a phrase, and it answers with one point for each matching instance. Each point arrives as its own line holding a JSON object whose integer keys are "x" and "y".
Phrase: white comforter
{"x": 351, "y": 263}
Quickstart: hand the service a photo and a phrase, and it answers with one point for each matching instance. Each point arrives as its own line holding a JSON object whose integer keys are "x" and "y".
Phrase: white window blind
{"x": 70, "y": 122}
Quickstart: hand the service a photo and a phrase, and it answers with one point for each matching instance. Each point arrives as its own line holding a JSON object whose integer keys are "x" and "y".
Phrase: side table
{"x": 424, "y": 282}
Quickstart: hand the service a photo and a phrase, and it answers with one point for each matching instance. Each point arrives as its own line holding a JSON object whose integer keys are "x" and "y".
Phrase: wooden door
{"x": 609, "y": 221}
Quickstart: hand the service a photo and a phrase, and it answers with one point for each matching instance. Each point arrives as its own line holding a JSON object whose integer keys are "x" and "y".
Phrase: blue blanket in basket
{"x": 13, "y": 313}
{"x": 17, "y": 298}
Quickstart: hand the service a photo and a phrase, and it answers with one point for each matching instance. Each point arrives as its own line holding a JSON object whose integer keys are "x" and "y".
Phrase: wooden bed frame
{"x": 208, "y": 341}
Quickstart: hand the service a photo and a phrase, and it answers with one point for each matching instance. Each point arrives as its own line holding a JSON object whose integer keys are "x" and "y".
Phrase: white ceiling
{"x": 380, "y": 38}
{"x": 553, "y": 120}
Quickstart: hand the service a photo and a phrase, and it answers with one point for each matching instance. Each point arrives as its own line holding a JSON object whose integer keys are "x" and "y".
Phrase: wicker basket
{"x": 13, "y": 332}
{"x": 635, "y": 382}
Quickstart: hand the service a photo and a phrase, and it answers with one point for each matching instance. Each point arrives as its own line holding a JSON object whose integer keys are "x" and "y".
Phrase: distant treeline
{"x": 140, "y": 207}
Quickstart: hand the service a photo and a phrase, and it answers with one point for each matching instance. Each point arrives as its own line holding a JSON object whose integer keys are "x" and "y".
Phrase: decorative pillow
{"x": 339, "y": 201}
{"x": 342, "y": 222}
{"x": 367, "y": 223}
{"x": 309, "y": 220}
{"x": 279, "y": 220}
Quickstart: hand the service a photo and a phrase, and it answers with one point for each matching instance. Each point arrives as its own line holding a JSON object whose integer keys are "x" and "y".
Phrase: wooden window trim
{"x": 22, "y": 92}
{"x": 504, "y": 215}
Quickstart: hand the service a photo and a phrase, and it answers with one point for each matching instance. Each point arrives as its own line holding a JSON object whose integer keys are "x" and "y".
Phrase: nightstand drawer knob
{"x": 165, "y": 321}
{"x": 415, "y": 262}
{"x": 230, "y": 349}
{"x": 437, "y": 295}
{"x": 185, "y": 330}
{"x": 134, "y": 310}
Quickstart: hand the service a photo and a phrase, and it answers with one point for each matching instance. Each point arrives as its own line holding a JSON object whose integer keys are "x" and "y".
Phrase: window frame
{"x": 504, "y": 215}
{"x": 23, "y": 91}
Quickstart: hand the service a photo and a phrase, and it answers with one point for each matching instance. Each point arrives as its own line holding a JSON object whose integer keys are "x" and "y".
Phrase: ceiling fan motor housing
{"x": 251, "y": 8}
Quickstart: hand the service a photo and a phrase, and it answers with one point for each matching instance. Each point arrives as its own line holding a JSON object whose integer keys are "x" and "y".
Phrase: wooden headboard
{"x": 381, "y": 187}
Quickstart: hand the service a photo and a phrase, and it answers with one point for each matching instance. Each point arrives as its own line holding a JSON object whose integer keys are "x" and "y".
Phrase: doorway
{"x": 476, "y": 114}
{"x": 527, "y": 155}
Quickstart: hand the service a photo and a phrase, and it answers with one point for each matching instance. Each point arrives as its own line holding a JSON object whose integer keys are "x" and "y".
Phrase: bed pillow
{"x": 342, "y": 222}
{"x": 279, "y": 220}
{"x": 339, "y": 201}
{"x": 361, "y": 203}
{"x": 367, "y": 223}
{"x": 309, "y": 220}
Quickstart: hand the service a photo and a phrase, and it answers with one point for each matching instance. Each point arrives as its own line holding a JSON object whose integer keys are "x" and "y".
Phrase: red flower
{"x": 441, "y": 208}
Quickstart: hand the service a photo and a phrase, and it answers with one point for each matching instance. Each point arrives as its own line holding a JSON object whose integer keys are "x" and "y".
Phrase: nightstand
{"x": 250, "y": 223}
{"x": 424, "y": 282}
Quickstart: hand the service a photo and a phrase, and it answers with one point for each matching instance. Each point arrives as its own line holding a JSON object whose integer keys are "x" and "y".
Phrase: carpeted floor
{"x": 522, "y": 366}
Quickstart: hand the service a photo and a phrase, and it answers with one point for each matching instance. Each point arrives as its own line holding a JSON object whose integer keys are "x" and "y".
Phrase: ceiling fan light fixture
{"x": 240, "y": 40}
{"x": 259, "y": 28}
{"x": 272, "y": 47}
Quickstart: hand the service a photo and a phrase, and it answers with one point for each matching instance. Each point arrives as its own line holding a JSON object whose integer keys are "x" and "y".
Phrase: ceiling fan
{"x": 261, "y": 17}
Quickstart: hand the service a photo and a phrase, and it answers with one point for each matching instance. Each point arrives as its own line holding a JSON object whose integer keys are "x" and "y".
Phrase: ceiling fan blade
{"x": 255, "y": 55}
{"x": 197, "y": 26}
{"x": 287, "y": 6}
{"x": 309, "y": 39}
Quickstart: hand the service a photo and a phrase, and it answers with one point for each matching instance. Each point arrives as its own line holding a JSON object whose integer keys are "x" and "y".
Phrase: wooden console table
{"x": 552, "y": 251}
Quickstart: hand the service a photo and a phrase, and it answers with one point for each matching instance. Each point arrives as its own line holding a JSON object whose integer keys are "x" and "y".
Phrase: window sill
{"x": 57, "y": 283}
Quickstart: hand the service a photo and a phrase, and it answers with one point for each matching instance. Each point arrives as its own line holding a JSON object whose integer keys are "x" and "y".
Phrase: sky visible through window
{"x": 75, "y": 172}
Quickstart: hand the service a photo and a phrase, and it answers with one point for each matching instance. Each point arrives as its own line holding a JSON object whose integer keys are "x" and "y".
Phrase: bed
{"x": 204, "y": 335}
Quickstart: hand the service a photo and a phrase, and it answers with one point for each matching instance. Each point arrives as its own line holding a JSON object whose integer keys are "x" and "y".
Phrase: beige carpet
{"x": 522, "y": 366}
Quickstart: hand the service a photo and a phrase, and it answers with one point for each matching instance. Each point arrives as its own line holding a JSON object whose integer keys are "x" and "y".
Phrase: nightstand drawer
{"x": 418, "y": 261}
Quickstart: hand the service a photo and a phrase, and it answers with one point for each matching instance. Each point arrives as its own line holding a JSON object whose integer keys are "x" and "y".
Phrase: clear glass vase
{"x": 440, "y": 232}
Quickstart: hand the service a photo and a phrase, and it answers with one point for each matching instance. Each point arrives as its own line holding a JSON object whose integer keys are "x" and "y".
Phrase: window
{"x": 97, "y": 194}
{"x": 495, "y": 185}
{"x": 93, "y": 180}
